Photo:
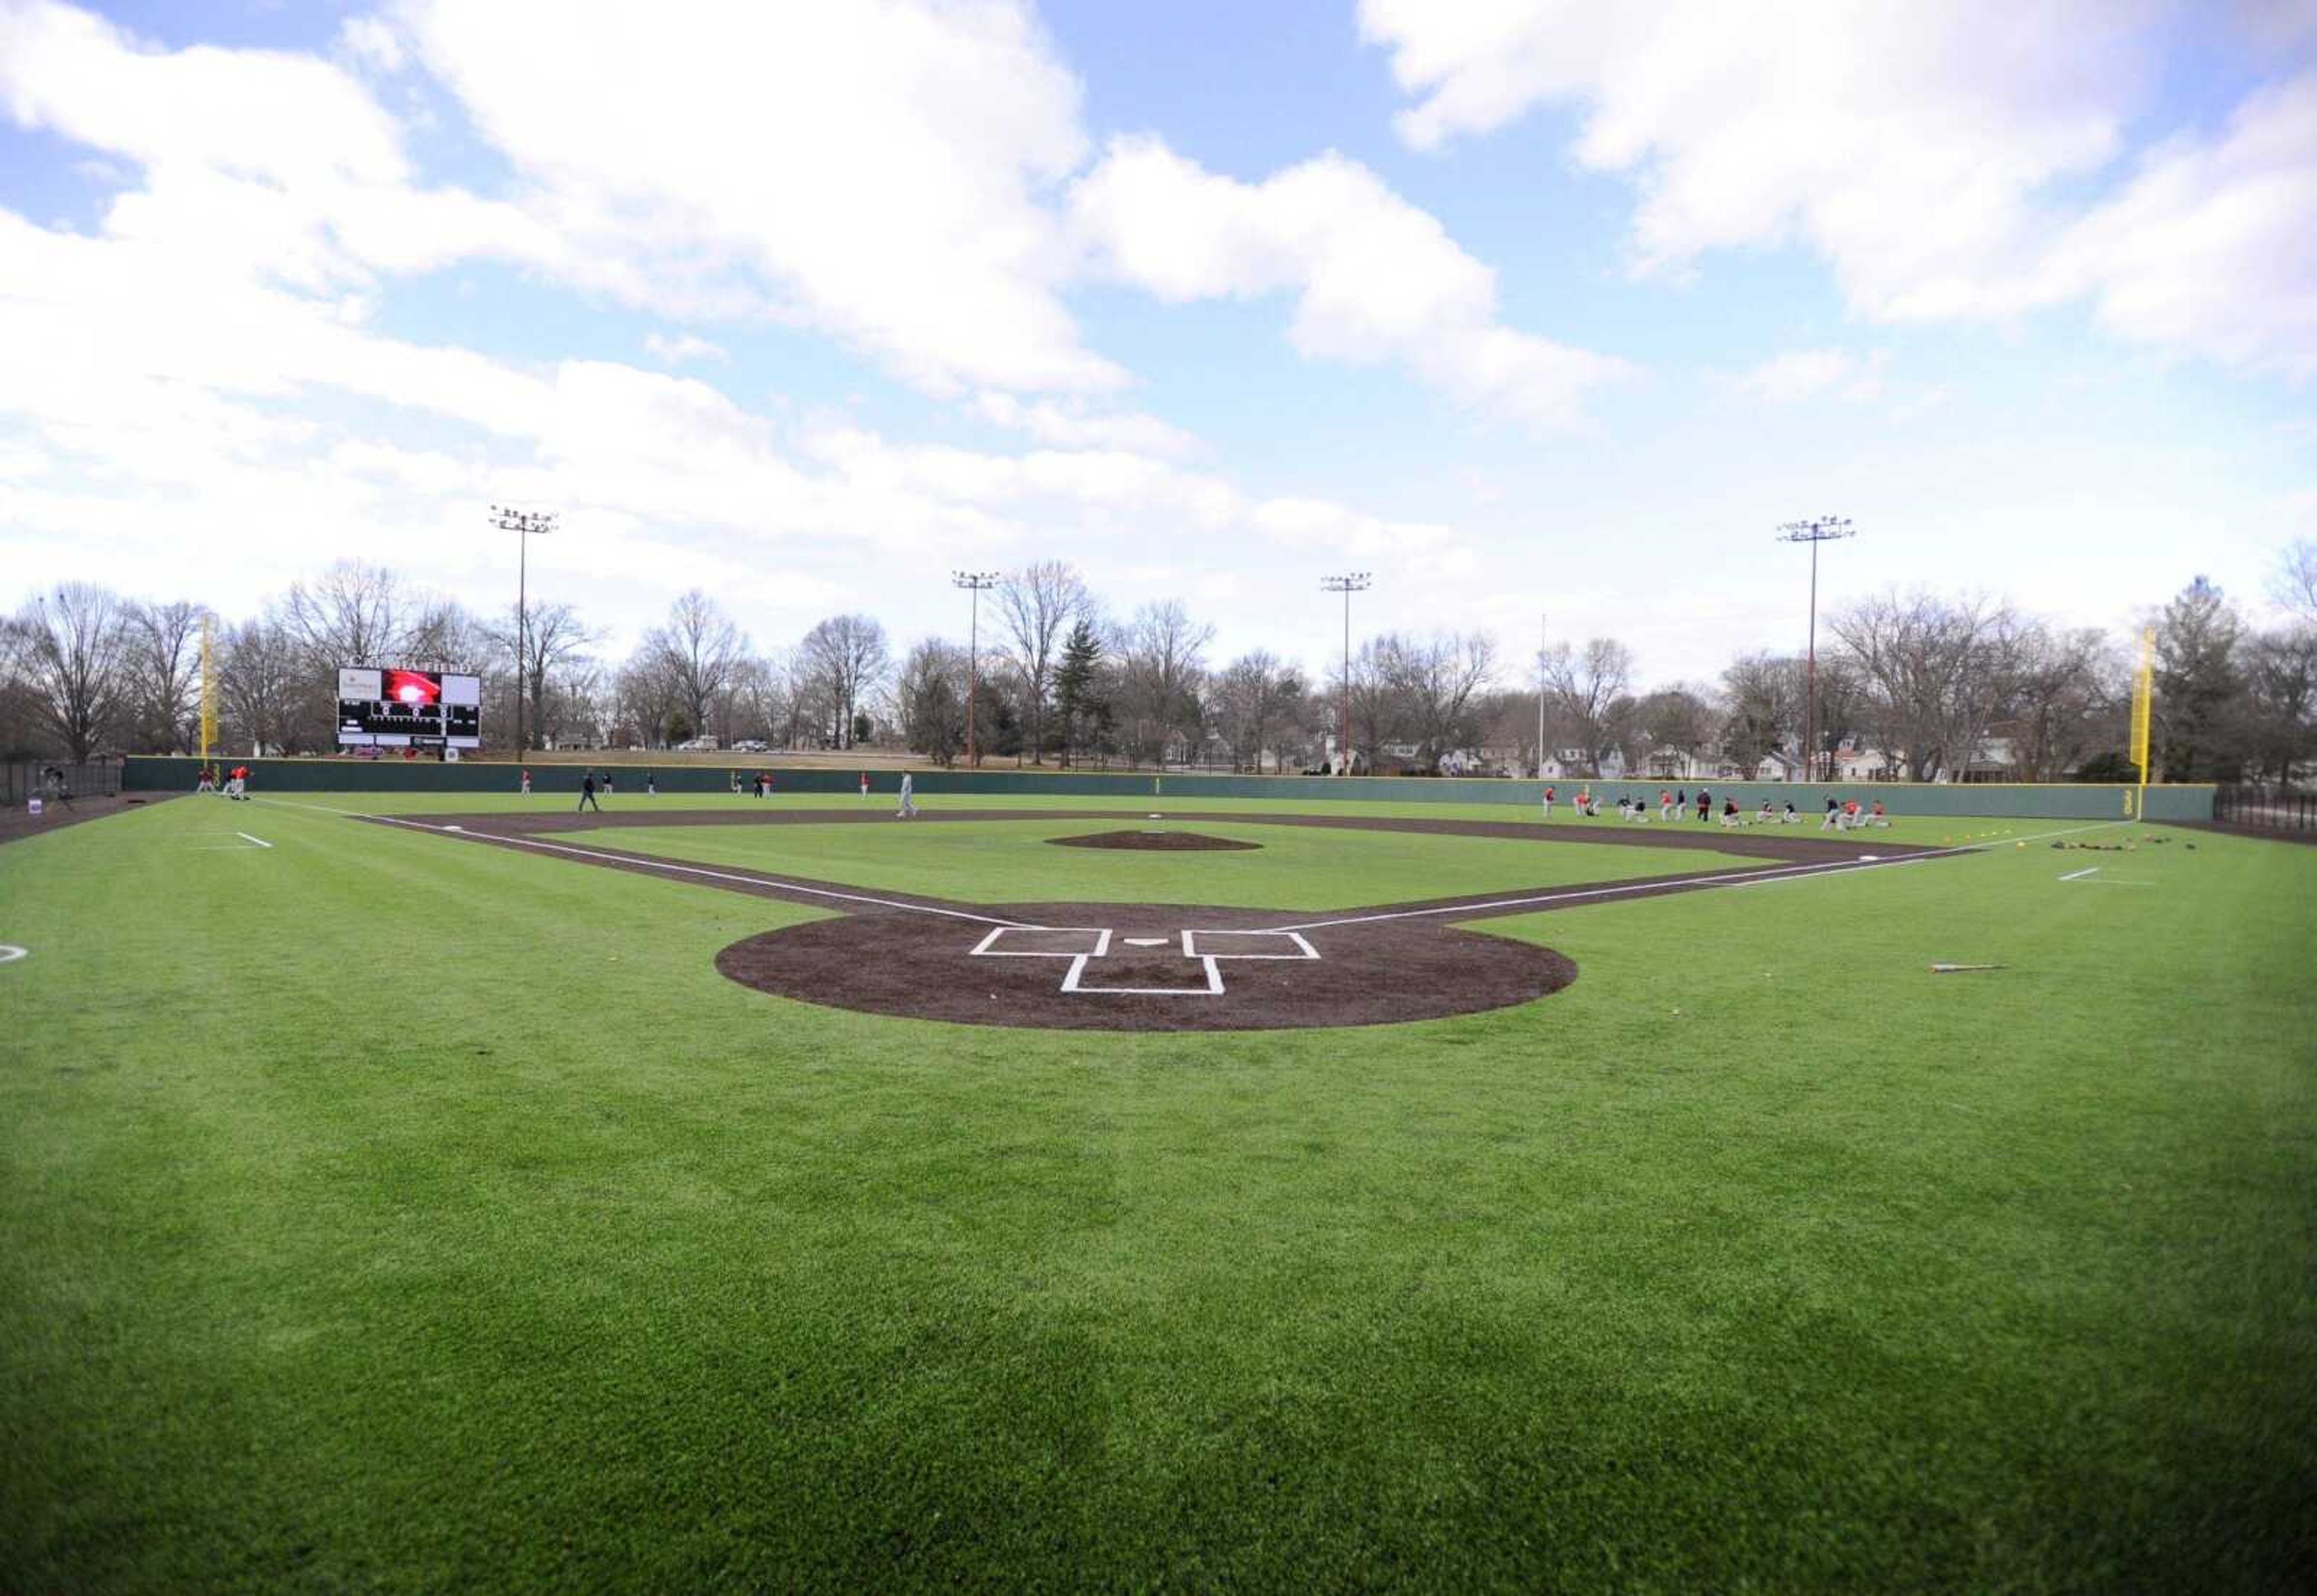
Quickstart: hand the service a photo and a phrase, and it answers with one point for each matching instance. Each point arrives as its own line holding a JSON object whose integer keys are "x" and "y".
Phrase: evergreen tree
{"x": 2199, "y": 683}
{"x": 1077, "y": 692}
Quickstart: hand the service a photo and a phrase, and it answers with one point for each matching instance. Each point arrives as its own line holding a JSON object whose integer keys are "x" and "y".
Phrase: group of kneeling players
{"x": 1842, "y": 814}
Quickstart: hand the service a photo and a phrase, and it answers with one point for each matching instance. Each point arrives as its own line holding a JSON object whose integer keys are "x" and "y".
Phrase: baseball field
{"x": 448, "y": 1191}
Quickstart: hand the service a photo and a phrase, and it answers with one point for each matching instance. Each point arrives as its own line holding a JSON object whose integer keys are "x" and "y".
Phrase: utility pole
{"x": 526, "y": 526}
{"x": 1826, "y": 529}
{"x": 978, "y": 582}
{"x": 1348, "y": 584}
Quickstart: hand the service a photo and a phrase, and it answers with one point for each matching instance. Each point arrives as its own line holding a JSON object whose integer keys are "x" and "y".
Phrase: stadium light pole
{"x": 1826, "y": 529}
{"x": 526, "y": 526}
{"x": 975, "y": 582}
{"x": 1349, "y": 583}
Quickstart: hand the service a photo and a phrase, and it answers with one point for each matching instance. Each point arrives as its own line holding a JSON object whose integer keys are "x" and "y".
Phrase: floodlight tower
{"x": 526, "y": 524}
{"x": 1349, "y": 583}
{"x": 1826, "y": 529}
{"x": 977, "y": 582}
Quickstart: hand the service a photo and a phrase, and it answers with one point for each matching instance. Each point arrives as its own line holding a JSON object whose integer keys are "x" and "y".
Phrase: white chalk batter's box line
{"x": 1074, "y": 980}
{"x": 1298, "y": 945}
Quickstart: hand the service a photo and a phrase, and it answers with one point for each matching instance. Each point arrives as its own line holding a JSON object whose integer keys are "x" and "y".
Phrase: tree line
{"x": 1923, "y": 684}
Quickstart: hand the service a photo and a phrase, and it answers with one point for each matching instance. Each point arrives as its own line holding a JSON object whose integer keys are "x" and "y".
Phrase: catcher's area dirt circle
{"x": 1156, "y": 842}
{"x": 1144, "y": 967}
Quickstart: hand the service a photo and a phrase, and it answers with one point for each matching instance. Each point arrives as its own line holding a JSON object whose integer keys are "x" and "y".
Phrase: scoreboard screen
{"x": 383, "y": 707}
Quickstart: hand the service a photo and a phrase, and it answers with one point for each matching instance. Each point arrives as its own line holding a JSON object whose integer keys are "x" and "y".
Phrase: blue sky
{"x": 1551, "y": 309}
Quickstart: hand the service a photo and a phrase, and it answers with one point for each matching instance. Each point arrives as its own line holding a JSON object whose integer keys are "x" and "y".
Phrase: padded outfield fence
{"x": 2046, "y": 801}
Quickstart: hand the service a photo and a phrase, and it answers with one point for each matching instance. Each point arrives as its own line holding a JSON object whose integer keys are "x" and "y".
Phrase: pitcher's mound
{"x": 1157, "y": 842}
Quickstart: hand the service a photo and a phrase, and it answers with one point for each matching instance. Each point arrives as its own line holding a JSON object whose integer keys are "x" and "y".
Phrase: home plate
{"x": 1146, "y": 941}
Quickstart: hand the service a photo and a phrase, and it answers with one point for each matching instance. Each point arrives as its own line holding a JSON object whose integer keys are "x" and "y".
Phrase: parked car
{"x": 699, "y": 745}
{"x": 752, "y": 745}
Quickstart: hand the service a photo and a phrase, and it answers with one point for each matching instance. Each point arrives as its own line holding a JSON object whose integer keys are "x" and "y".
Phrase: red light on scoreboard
{"x": 411, "y": 688}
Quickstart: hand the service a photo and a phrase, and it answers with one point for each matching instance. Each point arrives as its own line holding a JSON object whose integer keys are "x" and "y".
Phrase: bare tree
{"x": 2281, "y": 700}
{"x": 695, "y": 655}
{"x": 1682, "y": 720}
{"x": 1436, "y": 678}
{"x": 931, "y": 697}
{"x": 850, "y": 656}
{"x": 261, "y": 681}
{"x": 551, "y": 641}
{"x": 2066, "y": 700}
{"x": 163, "y": 669}
{"x": 74, "y": 646}
{"x": 1036, "y": 606}
{"x": 1379, "y": 709}
{"x": 352, "y": 613}
{"x": 1764, "y": 697}
{"x": 1160, "y": 675}
{"x": 2295, "y": 584}
{"x": 1257, "y": 698}
{"x": 1587, "y": 684}
{"x": 1935, "y": 670}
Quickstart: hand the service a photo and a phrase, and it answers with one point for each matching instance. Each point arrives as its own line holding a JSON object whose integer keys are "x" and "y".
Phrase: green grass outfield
{"x": 380, "y": 1210}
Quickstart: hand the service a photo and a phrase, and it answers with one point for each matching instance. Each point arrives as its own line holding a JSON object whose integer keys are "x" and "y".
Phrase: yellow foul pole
{"x": 2143, "y": 693}
{"x": 208, "y": 694}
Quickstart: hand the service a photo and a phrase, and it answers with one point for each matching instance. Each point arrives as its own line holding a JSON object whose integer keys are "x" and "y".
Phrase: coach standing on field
{"x": 587, "y": 795}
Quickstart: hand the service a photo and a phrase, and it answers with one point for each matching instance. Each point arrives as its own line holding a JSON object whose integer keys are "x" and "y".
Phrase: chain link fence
{"x": 23, "y": 778}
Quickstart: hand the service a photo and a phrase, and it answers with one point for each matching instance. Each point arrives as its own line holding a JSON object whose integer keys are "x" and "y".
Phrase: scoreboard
{"x": 383, "y": 707}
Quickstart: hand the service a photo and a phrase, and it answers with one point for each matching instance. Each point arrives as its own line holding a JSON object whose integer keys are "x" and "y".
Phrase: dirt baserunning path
{"x": 1167, "y": 967}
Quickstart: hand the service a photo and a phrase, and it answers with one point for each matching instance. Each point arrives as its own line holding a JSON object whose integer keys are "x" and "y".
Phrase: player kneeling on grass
{"x": 1766, "y": 815}
{"x": 1791, "y": 817}
{"x": 1880, "y": 819}
{"x": 1730, "y": 818}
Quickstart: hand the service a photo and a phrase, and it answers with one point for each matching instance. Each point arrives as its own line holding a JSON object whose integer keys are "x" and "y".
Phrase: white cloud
{"x": 1374, "y": 278}
{"x": 1922, "y": 149}
{"x": 2208, "y": 246}
{"x": 875, "y": 170}
{"x": 1800, "y": 374}
{"x": 683, "y": 346}
{"x": 1082, "y": 426}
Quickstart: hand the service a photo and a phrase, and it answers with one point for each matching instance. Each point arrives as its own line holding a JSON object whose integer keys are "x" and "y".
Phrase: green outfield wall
{"x": 2041, "y": 801}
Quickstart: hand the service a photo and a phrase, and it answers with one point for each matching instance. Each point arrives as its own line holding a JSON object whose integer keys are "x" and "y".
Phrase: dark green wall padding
{"x": 2046, "y": 800}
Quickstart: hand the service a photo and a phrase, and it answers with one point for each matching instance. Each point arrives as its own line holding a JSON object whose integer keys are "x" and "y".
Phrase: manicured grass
{"x": 1760, "y": 1258}
{"x": 1927, "y": 830}
{"x": 1293, "y": 867}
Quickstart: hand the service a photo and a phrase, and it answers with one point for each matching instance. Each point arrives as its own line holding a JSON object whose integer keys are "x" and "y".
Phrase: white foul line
{"x": 1720, "y": 879}
{"x": 645, "y": 862}
{"x": 2079, "y": 875}
{"x": 10, "y": 953}
{"x": 260, "y": 841}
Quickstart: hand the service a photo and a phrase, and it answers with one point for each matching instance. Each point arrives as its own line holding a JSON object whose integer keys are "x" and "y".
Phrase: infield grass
{"x": 1291, "y": 866}
{"x": 383, "y": 1210}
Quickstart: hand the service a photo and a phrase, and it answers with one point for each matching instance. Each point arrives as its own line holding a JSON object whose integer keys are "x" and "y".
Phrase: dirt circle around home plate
{"x": 1156, "y": 842}
{"x": 1145, "y": 967}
